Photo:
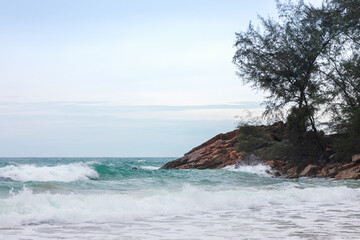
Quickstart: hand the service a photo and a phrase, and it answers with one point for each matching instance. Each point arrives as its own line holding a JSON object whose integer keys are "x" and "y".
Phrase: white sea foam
{"x": 259, "y": 169}
{"x": 62, "y": 173}
{"x": 278, "y": 209}
{"x": 27, "y": 207}
{"x": 150, "y": 167}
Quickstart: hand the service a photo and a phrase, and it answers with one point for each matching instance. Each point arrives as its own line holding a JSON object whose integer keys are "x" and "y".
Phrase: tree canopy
{"x": 308, "y": 61}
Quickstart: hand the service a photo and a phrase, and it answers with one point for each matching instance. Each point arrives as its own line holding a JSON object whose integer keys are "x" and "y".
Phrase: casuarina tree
{"x": 283, "y": 58}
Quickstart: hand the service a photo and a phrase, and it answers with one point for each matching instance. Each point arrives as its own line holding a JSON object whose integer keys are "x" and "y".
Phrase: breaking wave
{"x": 150, "y": 168}
{"x": 26, "y": 207}
{"x": 62, "y": 173}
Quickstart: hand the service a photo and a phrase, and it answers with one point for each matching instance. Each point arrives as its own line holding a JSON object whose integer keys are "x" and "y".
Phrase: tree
{"x": 283, "y": 58}
{"x": 308, "y": 61}
{"x": 348, "y": 13}
{"x": 342, "y": 74}
{"x": 342, "y": 61}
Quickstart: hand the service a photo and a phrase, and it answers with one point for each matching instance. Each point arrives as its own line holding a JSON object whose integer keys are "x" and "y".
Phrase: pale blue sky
{"x": 120, "y": 78}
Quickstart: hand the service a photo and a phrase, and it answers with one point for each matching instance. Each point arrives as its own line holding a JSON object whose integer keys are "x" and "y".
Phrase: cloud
{"x": 93, "y": 109}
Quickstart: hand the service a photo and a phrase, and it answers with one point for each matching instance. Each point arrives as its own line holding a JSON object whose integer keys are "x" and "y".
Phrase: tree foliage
{"x": 342, "y": 74}
{"x": 308, "y": 61}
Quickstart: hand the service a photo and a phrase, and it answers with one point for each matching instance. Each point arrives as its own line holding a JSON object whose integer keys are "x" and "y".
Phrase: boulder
{"x": 333, "y": 172}
{"x": 292, "y": 171}
{"x": 347, "y": 165}
{"x": 270, "y": 163}
{"x": 356, "y": 158}
{"x": 309, "y": 171}
{"x": 324, "y": 172}
{"x": 350, "y": 173}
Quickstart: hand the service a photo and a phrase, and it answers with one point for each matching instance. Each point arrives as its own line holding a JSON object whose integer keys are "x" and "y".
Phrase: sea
{"x": 131, "y": 198}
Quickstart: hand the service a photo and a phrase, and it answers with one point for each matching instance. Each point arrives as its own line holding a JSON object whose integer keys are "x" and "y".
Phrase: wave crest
{"x": 61, "y": 173}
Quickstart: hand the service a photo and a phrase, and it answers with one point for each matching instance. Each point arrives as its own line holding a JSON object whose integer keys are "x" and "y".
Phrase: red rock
{"x": 203, "y": 161}
{"x": 233, "y": 155}
{"x": 356, "y": 158}
{"x": 350, "y": 173}
{"x": 292, "y": 171}
{"x": 225, "y": 158}
{"x": 220, "y": 151}
{"x": 309, "y": 171}
{"x": 217, "y": 158}
{"x": 270, "y": 163}
{"x": 324, "y": 172}
{"x": 346, "y": 166}
{"x": 215, "y": 153}
{"x": 333, "y": 171}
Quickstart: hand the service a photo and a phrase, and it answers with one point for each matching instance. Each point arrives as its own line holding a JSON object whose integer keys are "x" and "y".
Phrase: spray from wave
{"x": 259, "y": 169}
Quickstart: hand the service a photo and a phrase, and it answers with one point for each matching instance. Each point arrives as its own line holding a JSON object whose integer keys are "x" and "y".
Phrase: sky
{"x": 116, "y": 78}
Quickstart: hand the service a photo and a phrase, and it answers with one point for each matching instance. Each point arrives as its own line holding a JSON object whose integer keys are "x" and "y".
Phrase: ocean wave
{"x": 26, "y": 207}
{"x": 149, "y": 167}
{"x": 62, "y": 173}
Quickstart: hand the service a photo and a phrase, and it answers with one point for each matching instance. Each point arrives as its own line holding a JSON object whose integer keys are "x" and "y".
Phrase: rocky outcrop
{"x": 215, "y": 153}
{"x": 350, "y": 173}
{"x": 219, "y": 152}
{"x": 340, "y": 171}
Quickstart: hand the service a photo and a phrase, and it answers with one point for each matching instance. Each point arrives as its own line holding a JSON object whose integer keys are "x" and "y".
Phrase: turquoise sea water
{"x": 107, "y": 198}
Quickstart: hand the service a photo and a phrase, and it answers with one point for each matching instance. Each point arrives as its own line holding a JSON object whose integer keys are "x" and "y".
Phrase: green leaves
{"x": 283, "y": 58}
{"x": 308, "y": 61}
